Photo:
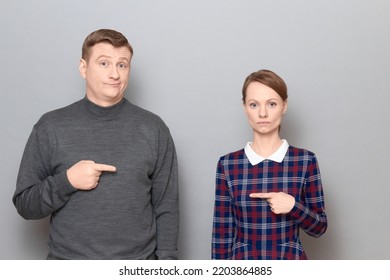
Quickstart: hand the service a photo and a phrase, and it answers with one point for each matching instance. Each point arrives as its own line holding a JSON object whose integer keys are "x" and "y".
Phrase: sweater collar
{"x": 99, "y": 112}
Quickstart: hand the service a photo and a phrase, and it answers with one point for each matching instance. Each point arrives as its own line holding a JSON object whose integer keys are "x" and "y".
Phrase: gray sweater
{"x": 133, "y": 213}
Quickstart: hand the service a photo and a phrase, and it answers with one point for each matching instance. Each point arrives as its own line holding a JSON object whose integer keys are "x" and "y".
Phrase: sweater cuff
{"x": 166, "y": 255}
{"x": 63, "y": 187}
{"x": 298, "y": 211}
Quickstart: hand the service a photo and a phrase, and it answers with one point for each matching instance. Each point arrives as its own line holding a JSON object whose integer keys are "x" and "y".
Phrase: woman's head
{"x": 268, "y": 78}
{"x": 264, "y": 96}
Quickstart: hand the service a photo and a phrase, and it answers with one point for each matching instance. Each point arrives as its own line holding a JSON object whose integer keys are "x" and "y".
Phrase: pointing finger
{"x": 104, "y": 167}
{"x": 262, "y": 195}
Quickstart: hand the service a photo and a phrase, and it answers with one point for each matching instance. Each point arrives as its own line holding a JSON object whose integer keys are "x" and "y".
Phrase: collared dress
{"x": 245, "y": 227}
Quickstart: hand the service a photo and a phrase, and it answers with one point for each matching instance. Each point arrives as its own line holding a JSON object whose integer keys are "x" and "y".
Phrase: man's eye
{"x": 122, "y": 65}
{"x": 103, "y": 63}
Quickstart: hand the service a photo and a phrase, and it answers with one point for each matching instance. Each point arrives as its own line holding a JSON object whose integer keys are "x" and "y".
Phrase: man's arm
{"x": 165, "y": 197}
{"x": 39, "y": 192}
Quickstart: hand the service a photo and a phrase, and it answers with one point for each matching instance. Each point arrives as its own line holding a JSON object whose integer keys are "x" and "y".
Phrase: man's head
{"x": 109, "y": 36}
{"x": 105, "y": 65}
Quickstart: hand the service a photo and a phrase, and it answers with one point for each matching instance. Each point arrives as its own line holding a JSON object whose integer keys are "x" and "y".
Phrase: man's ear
{"x": 83, "y": 68}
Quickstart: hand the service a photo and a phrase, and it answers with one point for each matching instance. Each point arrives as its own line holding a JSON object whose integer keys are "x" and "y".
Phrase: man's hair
{"x": 109, "y": 36}
{"x": 267, "y": 78}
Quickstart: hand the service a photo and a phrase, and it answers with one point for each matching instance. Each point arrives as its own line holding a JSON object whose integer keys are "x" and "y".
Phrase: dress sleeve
{"x": 38, "y": 192}
{"x": 223, "y": 221}
{"x": 165, "y": 196}
{"x": 309, "y": 212}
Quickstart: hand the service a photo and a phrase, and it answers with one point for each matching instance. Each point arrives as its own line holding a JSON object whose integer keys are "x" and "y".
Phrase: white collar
{"x": 277, "y": 156}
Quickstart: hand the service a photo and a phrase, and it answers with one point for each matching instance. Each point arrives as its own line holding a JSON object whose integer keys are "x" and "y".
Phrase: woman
{"x": 268, "y": 191}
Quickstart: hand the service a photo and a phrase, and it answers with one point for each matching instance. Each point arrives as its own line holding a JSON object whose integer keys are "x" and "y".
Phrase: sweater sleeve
{"x": 223, "y": 221}
{"x": 39, "y": 192}
{"x": 309, "y": 212}
{"x": 165, "y": 197}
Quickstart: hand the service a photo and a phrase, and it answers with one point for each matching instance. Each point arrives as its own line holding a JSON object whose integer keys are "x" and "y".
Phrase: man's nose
{"x": 114, "y": 74}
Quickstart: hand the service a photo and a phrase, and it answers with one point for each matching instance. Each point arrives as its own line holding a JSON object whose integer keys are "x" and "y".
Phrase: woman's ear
{"x": 243, "y": 107}
{"x": 285, "y": 107}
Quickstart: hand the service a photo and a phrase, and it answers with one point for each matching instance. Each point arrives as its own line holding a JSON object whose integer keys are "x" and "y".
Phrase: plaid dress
{"x": 245, "y": 227}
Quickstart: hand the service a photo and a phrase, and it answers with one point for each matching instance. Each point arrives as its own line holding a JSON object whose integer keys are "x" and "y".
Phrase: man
{"x": 103, "y": 168}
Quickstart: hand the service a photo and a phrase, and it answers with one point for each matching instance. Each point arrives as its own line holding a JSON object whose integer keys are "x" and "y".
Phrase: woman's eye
{"x": 272, "y": 104}
{"x": 252, "y": 105}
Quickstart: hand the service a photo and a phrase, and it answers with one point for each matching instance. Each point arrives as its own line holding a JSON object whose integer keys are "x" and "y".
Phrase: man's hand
{"x": 280, "y": 202}
{"x": 85, "y": 174}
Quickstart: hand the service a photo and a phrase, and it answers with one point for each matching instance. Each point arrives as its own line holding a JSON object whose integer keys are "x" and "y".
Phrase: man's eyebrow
{"x": 124, "y": 58}
{"x": 103, "y": 56}
{"x": 110, "y": 57}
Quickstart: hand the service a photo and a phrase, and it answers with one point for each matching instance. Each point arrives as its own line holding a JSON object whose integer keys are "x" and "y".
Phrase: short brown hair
{"x": 267, "y": 78}
{"x": 109, "y": 36}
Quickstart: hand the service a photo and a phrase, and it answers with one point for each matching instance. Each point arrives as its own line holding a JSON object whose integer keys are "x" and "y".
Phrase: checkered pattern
{"x": 245, "y": 228}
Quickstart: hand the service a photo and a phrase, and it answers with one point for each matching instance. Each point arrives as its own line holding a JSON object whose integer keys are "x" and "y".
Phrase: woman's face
{"x": 264, "y": 108}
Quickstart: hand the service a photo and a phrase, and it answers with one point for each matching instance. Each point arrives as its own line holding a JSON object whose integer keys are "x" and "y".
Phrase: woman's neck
{"x": 266, "y": 145}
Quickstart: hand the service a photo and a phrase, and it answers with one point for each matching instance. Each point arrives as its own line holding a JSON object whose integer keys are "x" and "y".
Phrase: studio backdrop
{"x": 190, "y": 61}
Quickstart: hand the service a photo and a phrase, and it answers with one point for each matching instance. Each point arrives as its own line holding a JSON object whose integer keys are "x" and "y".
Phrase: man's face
{"x": 106, "y": 73}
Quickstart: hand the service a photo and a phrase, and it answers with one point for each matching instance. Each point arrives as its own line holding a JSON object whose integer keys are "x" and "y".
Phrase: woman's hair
{"x": 267, "y": 78}
{"x": 109, "y": 36}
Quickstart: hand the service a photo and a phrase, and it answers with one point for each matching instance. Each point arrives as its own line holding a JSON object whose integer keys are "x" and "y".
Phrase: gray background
{"x": 191, "y": 58}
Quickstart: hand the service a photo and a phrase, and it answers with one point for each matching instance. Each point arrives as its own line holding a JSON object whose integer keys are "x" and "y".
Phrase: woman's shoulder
{"x": 238, "y": 154}
{"x": 297, "y": 151}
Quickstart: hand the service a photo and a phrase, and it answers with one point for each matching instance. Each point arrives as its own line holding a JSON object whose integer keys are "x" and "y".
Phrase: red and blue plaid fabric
{"x": 245, "y": 227}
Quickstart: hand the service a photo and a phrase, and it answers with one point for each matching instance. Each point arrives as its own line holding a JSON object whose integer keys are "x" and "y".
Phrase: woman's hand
{"x": 279, "y": 202}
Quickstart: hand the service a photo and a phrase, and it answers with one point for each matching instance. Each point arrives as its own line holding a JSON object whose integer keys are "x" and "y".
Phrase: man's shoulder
{"x": 143, "y": 115}
{"x": 58, "y": 115}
